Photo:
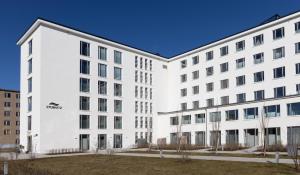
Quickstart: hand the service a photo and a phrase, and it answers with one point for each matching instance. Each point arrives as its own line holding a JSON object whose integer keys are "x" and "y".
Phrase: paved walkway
{"x": 220, "y": 158}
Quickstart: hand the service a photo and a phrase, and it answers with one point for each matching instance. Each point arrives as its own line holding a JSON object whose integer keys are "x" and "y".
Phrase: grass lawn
{"x": 116, "y": 165}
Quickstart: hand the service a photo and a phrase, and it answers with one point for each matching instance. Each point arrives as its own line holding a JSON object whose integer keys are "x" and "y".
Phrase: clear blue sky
{"x": 167, "y": 27}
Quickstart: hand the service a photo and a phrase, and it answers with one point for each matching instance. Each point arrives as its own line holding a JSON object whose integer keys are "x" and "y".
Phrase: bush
{"x": 175, "y": 147}
{"x": 274, "y": 148}
{"x": 233, "y": 147}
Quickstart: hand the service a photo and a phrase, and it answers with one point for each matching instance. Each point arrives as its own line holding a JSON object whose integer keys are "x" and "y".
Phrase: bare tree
{"x": 216, "y": 134}
{"x": 264, "y": 122}
{"x": 179, "y": 133}
{"x": 293, "y": 147}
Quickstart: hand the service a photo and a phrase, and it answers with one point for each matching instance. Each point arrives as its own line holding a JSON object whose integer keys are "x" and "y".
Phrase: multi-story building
{"x": 83, "y": 91}
{"x": 9, "y": 117}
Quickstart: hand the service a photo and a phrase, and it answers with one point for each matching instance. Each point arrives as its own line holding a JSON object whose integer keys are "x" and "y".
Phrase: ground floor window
{"x": 118, "y": 141}
{"x": 232, "y": 137}
{"x": 188, "y": 137}
{"x": 272, "y": 136}
{"x": 200, "y": 138}
{"x": 251, "y": 137}
{"x": 215, "y": 138}
{"x": 102, "y": 141}
{"x": 173, "y": 138}
{"x": 84, "y": 142}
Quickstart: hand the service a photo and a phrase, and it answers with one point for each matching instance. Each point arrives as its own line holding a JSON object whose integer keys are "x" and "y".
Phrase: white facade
{"x": 56, "y": 55}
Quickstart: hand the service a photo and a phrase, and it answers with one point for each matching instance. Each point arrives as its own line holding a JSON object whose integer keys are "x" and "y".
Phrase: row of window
{"x": 240, "y": 45}
{"x": 8, "y": 104}
{"x": 102, "y": 52}
{"x": 8, "y": 123}
{"x": 84, "y": 141}
{"x": 142, "y": 65}
{"x": 142, "y": 136}
{"x": 102, "y": 70}
{"x": 8, "y": 114}
{"x": 102, "y": 87}
{"x": 249, "y": 113}
{"x": 141, "y": 106}
{"x": 8, "y": 95}
{"x": 84, "y": 104}
{"x": 142, "y": 122}
{"x": 142, "y": 76}
{"x": 8, "y": 132}
{"x": 140, "y": 90}
{"x": 84, "y": 122}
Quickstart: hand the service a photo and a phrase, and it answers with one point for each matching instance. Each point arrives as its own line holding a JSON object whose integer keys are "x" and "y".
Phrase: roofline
{"x": 236, "y": 35}
{"x": 64, "y": 28}
{"x": 9, "y": 90}
{"x": 54, "y": 25}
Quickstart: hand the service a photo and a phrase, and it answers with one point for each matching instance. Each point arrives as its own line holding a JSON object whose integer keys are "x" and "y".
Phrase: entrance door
{"x": 102, "y": 141}
{"x": 29, "y": 144}
{"x": 117, "y": 140}
{"x": 251, "y": 137}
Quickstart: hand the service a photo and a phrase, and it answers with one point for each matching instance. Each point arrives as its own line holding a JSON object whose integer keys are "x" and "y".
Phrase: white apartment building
{"x": 83, "y": 91}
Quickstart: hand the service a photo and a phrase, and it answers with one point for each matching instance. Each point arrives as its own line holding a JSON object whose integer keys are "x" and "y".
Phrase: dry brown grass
{"x": 99, "y": 164}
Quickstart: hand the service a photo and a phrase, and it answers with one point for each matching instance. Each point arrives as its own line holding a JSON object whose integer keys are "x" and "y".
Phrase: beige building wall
{"x": 9, "y": 117}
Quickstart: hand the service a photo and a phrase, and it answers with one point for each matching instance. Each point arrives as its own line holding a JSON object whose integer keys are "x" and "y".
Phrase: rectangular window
{"x": 183, "y": 92}
{"x": 224, "y": 100}
{"x": 84, "y": 48}
{"x": 251, "y": 113}
{"x": 136, "y": 76}
{"x": 209, "y": 71}
{"x": 297, "y": 47}
{"x": 146, "y": 64}
{"x": 183, "y": 106}
{"x": 117, "y": 73}
{"x": 195, "y": 60}
{"x": 118, "y": 141}
{"x": 30, "y": 66}
{"x": 183, "y": 64}
{"x": 29, "y": 123}
{"x": 272, "y": 111}
{"x": 200, "y": 118}
{"x": 136, "y": 106}
{"x": 117, "y": 57}
{"x": 224, "y": 84}
{"x": 240, "y": 63}
{"x": 183, "y": 78}
{"x": 240, "y": 45}
{"x": 224, "y": 51}
{"x": 102, "y": 87}
{"x": 174, "y": 120}
{"x": 214, "y": 116}
{"x": 297, "y": 68}
{"x": 29, "y": 101}
{"x": 7, "y": 95}
{"x": 195, "y": 104}
{"x": 7, "y": 113}
{"x": 210, "y": 102}
{"x": 141, "y": 63}
{"x": 232, "y": 115}
{"x": 297, "y": 27}
{"x": 209, "y": 87}
{"x": 195, "y": 75}
{"x": 29, "y": 85}
{"x": 102, "y": 104}
{"x": 84, "y": 67}
{"x": 102, "y": 53}
{"x": 278, "y": 53}
{"x": 258, "y": 58}
{"x": 84, "y": 103}
{"x": 293, "y": 108}
{"x": 117, "y": 89}
{"x": 258, "y": 40}
{"x": 84, "y": 122}
{"x": 136, "y": 123}
{"x": 279, "y": 92}
{"x": 84, "y": 85}
{"x": 7, "y": 104}
{"x": 279, "y": 72}
{"x": 259, "y": 76}
{"x": 102, "y": 122}
{"x": 136, "y": 92}
{"x": 150, "y": 93}
{"x": 150, "y": 65}
{"x": 30, "y": 47}
{"x": 224, "y": 67}
{"x": 118, "y": 106}
{"x": 259, "y": 95}
{"x": 195, "y": 90}
{"x": 240, "y": 98}
{"x": 240, "y": 80}
{"x": 186, "y": 119}
{"x": 278, "y": 33}
{"x": 102, "y": 70}
{"x": 209, "y": 55}
{"x": 298, "y": 88}
{"x": 6, "y": 123}
{"x": 136, "y": 62}
{"x": 117, "y": 122}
